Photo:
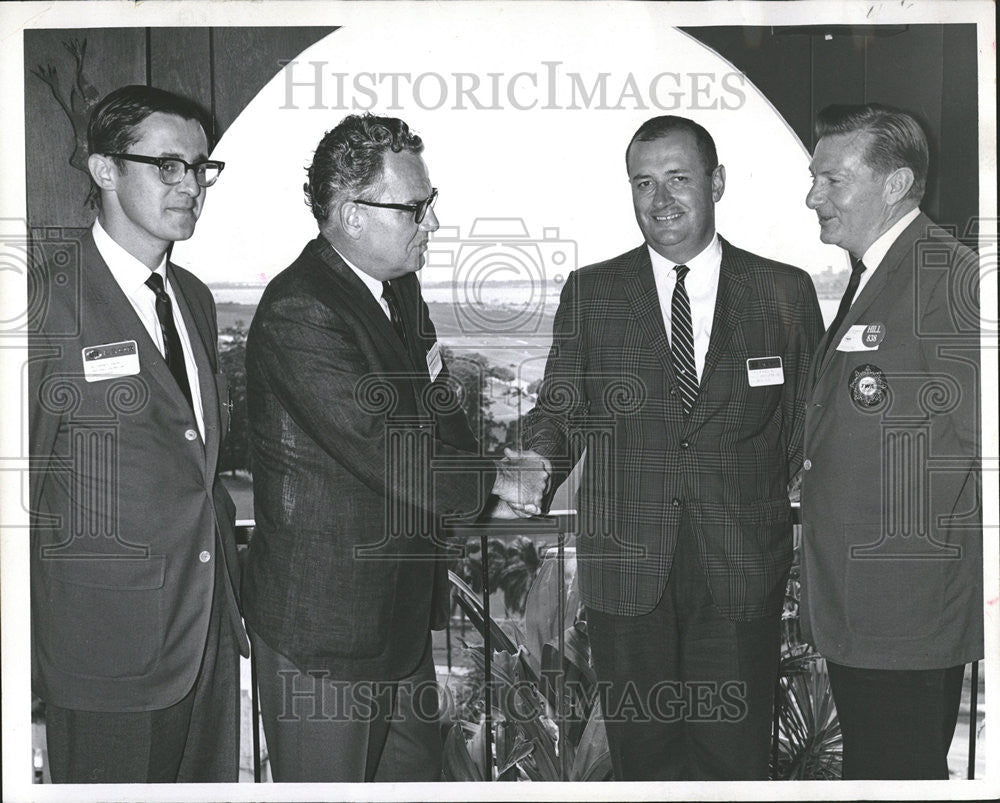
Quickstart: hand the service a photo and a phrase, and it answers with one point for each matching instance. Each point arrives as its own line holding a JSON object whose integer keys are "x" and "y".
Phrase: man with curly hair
{"x": 361, "y": 454}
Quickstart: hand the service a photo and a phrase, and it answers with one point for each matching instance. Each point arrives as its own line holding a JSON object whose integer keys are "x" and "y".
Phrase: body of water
{"x": 488, "y": 294}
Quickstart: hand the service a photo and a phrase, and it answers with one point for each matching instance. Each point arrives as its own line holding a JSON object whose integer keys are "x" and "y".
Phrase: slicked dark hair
{"x": 114, "y": 120}
{"x": 895, "y": 138}
{"x": 658, "y": 127}
{"x": 349, "y": 160}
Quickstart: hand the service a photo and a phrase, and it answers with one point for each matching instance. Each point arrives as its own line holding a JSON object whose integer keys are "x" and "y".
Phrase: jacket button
{"x": 190, "y": 434}
{"x": 807, "y": 464}
{"x": 675, "y": 502}
{"x": 205, "y": 556}
{"x": 685, "y": 444}
{"x": 673, "y": 391}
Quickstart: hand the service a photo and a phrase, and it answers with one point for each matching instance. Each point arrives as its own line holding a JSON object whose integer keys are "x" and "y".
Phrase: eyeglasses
{"x": 418, "y": 209}
{"x": 173, "y": 170}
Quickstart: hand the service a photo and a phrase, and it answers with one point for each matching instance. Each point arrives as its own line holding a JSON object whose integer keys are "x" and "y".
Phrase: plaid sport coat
{"x": 609, "y": 388}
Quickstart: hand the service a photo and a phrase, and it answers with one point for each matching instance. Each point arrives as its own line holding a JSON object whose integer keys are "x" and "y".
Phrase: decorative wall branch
{"x": 78, "y": 103}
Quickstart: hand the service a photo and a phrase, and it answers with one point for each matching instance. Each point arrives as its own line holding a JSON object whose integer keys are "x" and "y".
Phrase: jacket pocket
{"x": 103, "y": 616}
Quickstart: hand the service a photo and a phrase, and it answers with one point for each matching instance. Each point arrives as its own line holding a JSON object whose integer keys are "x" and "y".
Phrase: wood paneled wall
{"x": 929, "y": 70}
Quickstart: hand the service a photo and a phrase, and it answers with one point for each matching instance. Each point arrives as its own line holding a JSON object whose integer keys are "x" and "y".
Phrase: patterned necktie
{"x": 392, "y": 300}
{"x": 682, "y": 340}
{"x": 845, "y": 303}
{"x": 173, "y": 352}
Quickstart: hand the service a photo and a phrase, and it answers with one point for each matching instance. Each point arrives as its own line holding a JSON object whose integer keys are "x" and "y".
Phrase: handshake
{"x": 521, "y": 483}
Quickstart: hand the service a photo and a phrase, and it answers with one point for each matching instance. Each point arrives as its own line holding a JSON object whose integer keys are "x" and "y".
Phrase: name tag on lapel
{"x": 434, "y": 362}
{"x": 862, "y": 337}
{"x": 110, "y": 361}
{"x": 765, "y": 371}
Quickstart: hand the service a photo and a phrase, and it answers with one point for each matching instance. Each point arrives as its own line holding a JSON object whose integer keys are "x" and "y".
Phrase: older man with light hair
{"x": 891, "y": 501}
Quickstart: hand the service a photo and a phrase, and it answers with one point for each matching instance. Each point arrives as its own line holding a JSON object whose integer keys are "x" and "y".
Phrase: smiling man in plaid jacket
{"x": 681, "y": 367}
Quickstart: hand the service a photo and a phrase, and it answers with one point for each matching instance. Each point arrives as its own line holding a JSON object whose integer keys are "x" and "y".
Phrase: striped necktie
{"x": 682, "y": 341}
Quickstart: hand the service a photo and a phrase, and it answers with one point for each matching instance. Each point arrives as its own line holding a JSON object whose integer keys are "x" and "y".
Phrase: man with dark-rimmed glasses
{"x": 361, "y": 456}
{"x": 136, "y": 630}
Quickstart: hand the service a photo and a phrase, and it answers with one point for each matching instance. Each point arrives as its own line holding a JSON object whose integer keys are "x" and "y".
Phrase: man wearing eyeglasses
{"x": 361, "y": 456}
{"x": 136, "y": 630}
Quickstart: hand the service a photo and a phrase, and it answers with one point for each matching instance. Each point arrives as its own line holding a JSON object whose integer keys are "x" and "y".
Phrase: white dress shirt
{"x": 877, "y": 250}
{"x": 702, "y": 285}
{"x": 131, "y": 276}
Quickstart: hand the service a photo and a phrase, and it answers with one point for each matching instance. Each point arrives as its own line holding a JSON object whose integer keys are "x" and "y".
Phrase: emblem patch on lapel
{"x": 868, "y": 385}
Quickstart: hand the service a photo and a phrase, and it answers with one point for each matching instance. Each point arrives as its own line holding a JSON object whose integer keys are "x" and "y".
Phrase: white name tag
{"x": 434, "y": 363}
{"x": 765, "y": 371}
{"x": 862, "y": 337}
{"x": 110, "y": 361}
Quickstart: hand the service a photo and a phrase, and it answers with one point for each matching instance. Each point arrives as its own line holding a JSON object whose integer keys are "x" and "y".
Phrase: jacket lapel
{"x": 875, "y": 287}
{"x": 730, "y": 303}
{"x": 640, "y": 287}
{"x": 198, "y": 334}
{"x": 124, "y": 324}
{"x": 410, "y": 303}
{"x": 351, "y": 290}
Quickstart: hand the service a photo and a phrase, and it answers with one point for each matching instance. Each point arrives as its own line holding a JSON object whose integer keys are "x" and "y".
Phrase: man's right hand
{"x": 522, "y": 478}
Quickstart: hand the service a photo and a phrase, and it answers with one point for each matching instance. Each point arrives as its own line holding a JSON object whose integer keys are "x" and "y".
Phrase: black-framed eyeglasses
{"x": 173, "y": 170}
{"x": 418, "y": 209}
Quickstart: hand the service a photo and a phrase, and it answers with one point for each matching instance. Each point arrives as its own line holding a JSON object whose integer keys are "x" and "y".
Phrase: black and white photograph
{"x": 406, "y": 398}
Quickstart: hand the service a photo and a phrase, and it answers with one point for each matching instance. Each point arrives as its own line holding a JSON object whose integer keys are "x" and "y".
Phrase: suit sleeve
{"x": 319, "y": 374}
{"x": 804, "y": 323}
{"x": 562, "y": 400}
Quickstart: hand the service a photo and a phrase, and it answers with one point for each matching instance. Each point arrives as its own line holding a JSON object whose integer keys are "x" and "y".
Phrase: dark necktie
{"x": 845, "y": 303}
{"x": 682, "y": 340}
{"x": 173, "y": 352}
{"x": 395, "y": 315}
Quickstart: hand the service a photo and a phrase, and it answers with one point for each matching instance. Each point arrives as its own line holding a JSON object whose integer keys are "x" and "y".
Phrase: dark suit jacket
{"x": 124, "y": 498}
{"x": 609, "y": 386}
{"x": 891, "y": 507}
{"x": 358, "y": 461}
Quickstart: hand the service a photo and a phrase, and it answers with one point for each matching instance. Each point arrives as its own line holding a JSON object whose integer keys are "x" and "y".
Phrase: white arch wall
{"x": 523, "y": 117}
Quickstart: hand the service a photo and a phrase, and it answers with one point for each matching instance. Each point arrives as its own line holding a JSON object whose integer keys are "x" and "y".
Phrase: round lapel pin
{"x": 868, "y": 385}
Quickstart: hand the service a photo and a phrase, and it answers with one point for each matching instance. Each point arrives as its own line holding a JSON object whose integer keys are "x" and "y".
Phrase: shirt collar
{"x": 128, "y": 271}
{"x": 704, "y": 266}
{"x": 877, "y": 250}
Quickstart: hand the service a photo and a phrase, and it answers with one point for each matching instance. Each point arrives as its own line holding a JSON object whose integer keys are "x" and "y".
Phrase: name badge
{"x": 765, "y": 371}
{"x": 862, "y": 337}
{"x": 110, "y": 361}
{"x": 434, "y": 363}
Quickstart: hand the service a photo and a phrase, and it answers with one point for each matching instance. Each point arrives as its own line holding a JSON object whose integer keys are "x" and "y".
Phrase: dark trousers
{"x": 897, "y": 724}
{"x": 320, "y": 729}
{"x": 195, "y": 740}
{"x": 690, "y": 693}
